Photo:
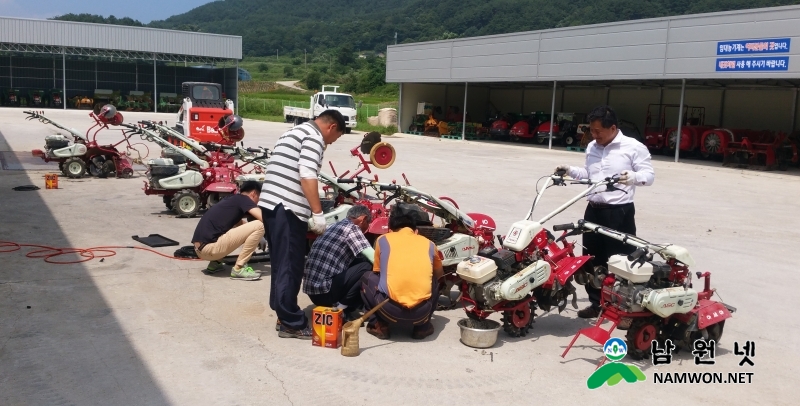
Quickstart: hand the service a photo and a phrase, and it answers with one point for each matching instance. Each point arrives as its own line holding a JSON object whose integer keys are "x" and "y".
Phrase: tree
{"x": 288, "y": 71}
{"x": 313, "y": 80}
{"x": 263, "y": 67}
{"x": 296, "y": 62}
{"x": 345, "y": 55}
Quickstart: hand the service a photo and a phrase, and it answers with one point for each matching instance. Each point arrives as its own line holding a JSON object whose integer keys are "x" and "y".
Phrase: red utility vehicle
{"x": 659, "y": 137}
{"x": 202, "y": 113}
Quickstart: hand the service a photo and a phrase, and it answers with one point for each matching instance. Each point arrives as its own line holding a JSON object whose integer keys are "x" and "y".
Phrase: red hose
{"x": 88, "y": 254}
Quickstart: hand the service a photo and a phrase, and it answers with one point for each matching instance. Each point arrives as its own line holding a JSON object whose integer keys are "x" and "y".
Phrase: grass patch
{"x": 370, "y": 128}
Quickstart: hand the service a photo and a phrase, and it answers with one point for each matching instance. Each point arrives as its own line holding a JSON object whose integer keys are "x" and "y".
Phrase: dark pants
{"x": 393, "y": 312}
{"x": 345, "y": 286}
{"x": 617, "y": 217}
{"x": 286, "y": 236}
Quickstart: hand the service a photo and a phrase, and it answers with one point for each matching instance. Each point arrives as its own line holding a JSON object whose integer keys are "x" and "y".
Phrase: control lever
{"x": 638, "y": 257}
{"x": 563, "y": 227}
{"x": 576, "y": 231}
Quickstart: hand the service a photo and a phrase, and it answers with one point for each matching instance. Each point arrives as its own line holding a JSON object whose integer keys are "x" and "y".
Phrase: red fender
{"x": 483, "y": 220}
{"x": 568, "y": 266}
{"x": 220, "y": 187}
{"x": 710, "y": 312}
{"x": 379, "y": 226}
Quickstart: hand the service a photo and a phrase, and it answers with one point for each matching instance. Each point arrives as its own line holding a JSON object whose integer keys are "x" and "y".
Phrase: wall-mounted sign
{"x": 776, "y": 63}
{"x": 754, "y": 46}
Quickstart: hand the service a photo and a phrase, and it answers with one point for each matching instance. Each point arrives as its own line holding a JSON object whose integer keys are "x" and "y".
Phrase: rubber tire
{"x": 181, "y": 203}
{"x": 62, "y": 168}
{"x": 108, "y": 168}
{"x": 570, "y": 140}
{"x": 167, "y": 201}
{"x": 127, "y": 173}
{"x": 75, "y": 168}
{"x": 348, "y": 130}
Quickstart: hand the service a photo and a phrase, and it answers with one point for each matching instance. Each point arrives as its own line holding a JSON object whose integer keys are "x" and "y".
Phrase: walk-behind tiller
{"x": 82, "y": 154}
{"x": 531, "y": 270}
{"x": 656, "y": 298}
{"x": 188, "y": 187}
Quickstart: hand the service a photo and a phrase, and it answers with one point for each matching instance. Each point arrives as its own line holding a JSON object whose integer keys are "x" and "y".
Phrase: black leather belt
{"x": 597, "y": 205}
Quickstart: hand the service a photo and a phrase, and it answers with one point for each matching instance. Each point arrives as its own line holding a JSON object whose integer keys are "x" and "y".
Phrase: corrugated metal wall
{"x": 667, "y": 48}
{"x": 117, "y": 37}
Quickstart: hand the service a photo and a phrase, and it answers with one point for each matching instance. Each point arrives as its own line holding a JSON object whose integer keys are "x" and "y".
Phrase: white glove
{"x": 562, "y": 168}
{"x": 262, "y": 245}
{"x": 627, "y": 178}
{"x": 318, "y": 223}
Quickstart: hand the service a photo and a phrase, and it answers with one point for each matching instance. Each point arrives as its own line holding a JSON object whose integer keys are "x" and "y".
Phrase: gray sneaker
{"x": 214, "y": 267}
{"x": 303, "y": 334}
{"x": 245, "y": 273}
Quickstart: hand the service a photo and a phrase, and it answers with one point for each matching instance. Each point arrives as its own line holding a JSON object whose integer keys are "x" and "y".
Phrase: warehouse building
{"x": 739, "y": 68}
{"x": 88, "y": 64}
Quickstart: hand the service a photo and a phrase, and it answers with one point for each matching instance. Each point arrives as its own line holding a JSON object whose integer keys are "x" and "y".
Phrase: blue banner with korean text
{"x": 777, "y": 63}
{"x": 754, "y": 46}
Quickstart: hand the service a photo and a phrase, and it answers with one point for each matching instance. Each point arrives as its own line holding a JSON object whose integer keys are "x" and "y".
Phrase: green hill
{"x": 370, "y": 25}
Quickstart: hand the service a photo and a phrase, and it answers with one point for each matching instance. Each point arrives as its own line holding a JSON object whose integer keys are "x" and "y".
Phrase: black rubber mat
{"x": 155, "y": 240}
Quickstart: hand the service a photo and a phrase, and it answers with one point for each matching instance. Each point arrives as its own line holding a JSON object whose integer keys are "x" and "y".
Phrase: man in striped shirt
{"x": 289, "y": 198}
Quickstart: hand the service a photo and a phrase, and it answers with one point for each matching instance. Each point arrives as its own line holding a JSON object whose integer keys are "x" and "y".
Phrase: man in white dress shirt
{"x": 611, "y": 153}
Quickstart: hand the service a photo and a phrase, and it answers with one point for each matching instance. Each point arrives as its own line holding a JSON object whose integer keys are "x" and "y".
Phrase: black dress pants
{"x": 617, "y": 217}
{"x": 345, "y": 286}
{"x": 286, "y": 236}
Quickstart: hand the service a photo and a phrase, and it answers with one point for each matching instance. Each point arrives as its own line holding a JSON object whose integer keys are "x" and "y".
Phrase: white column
{"x": 794, "y": 111}
{"x": 400, "y": 111}
{"x": 680, "y": 122}
{"x": 155, "y": 86}
{"x": 64, "y": 77}
{"x": 552, "y": 116}
{"x": 464, "y": 114}
{"x": 236, "y": 102}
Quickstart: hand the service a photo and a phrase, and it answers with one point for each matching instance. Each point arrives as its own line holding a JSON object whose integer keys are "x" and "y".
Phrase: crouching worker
{"x": 223, "y": 229}
{"x": 406, "y": 271}
{"x": 337, "y": 261}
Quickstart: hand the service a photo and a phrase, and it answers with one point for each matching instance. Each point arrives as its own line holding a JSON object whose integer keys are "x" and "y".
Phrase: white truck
{"x": 321, "y": 101}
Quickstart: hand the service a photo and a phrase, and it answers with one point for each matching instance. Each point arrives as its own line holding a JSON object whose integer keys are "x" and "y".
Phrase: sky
{"x": 142, "y": 10}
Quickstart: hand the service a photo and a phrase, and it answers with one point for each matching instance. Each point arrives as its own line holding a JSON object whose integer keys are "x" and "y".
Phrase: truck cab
{"x": 202, "y": 109}
{"x": 328, "y": 99}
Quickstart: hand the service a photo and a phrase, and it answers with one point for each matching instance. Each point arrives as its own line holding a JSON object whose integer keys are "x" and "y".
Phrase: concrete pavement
{"x": 137, "y": 328}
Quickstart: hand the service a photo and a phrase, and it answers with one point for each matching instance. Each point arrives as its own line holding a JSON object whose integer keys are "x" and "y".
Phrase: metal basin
{"x": 478, "y": 333}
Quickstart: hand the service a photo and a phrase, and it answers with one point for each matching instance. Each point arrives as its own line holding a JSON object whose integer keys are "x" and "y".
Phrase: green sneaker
{"x": 246, "y": 273}
{"x": 214, "y": 267}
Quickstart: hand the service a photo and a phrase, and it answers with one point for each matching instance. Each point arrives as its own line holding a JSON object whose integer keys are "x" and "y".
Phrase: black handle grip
{"x": 561, "y": 172}
{"x": 637, "y": 254}
{"x": 389, "y": 187}
{"x": 254, "y": 150}
{"x": 345, "y": 180}
{"x": 564, "y": 227}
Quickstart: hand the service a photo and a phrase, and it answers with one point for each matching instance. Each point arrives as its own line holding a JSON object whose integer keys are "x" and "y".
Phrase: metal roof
{"x": 679, "y": 47}
{"x": 52, "y": 36}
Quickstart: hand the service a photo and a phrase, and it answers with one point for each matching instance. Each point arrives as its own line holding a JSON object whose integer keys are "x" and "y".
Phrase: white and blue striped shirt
{"x": 302, "y": 145}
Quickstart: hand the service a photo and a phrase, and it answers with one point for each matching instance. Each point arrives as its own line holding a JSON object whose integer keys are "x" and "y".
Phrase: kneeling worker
{"x": 407, "y": 269}
{"x": 223, "y": 229}
{"x": 337, "y": 261}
